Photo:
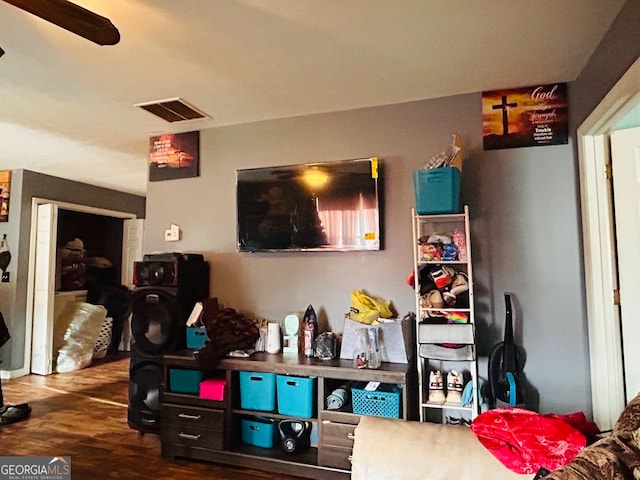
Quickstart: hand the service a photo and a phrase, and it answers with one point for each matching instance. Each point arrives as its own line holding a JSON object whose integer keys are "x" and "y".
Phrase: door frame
{"x": 598, "y": 228}
{"x": 35, "y": 202}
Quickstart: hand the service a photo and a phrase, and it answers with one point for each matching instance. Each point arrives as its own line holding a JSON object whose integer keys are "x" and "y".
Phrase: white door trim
{"x": 35, "y": 202}
{"x": 605, "y": 348}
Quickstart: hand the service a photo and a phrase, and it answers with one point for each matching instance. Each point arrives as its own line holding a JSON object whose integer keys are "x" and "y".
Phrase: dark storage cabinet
{"x": 211, "y": 430}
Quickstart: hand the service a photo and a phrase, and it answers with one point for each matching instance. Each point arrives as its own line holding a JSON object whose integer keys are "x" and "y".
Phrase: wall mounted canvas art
{"x": 5, "y": 190}
{"x": 525, "y": 117}
{"x": 174, "y": 155}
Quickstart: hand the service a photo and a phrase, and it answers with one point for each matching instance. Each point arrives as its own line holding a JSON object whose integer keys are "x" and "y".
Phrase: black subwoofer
{"x": 146, "y": 380}
{"x": 158, "y": 318}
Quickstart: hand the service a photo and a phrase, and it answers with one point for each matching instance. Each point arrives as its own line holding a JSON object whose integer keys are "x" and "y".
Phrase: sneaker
{"x": 450, "y": 420}
{"x": 436, "y": 387}
{"x": 14, "y": 413}
{"x": 454, "y": 387}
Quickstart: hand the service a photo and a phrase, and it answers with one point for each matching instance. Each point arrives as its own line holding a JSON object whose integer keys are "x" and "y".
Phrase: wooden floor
{"x": 83, "y": 415}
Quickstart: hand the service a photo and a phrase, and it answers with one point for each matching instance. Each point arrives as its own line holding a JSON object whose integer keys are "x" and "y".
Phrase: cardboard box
{"x": 395, "y": 337}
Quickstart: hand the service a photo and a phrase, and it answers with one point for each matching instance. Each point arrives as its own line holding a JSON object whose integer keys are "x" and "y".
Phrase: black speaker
{"x": 158, "y": 326}
{"x": 146, "y": 382}
{"x": 168, "y": 269}
{"x": 158, "y": 319}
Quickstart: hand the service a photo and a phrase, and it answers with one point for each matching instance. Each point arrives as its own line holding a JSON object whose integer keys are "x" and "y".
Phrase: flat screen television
{"x": 327, "y": 206}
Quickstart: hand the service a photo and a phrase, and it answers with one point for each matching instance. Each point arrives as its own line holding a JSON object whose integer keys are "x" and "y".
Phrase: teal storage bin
{"x": 258, "y": 391}
{"x": 196, "y": 337}
{"x": 184, "y": 381}
{"x": 437, "y": 190}
{"x": 382, "y": 402}
{"x": 259, "y": 431}
{"x": 296, "y": 396}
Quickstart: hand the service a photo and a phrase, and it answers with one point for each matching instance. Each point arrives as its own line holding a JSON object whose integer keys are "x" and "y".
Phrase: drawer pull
{"x": 350, "y": 458}
{"x": 188, "y": 436}
{"x": 351, "y": 436}
{"x": 189, "y": 417}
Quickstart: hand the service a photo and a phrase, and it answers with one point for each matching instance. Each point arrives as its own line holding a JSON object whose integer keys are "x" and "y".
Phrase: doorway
{"x": 600, "y": 260}
{"x": 41, "y": 291}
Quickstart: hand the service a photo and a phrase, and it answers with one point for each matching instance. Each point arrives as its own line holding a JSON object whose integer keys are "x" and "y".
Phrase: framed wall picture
{"x": 525, "y": 117}
{"x": 5, "y": 190}
{"x": 174, "y": 155}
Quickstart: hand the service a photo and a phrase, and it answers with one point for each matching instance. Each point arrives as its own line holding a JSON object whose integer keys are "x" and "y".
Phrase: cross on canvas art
{"x": 525, "y": 117}
{"x": 174, "y": 155}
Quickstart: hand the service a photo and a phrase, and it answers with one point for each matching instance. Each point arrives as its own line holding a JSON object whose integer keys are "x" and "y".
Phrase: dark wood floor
{"x": 83, "y": 414}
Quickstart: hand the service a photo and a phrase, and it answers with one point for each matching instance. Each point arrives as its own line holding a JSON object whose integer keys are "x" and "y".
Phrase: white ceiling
{"x": 66, "y": 104}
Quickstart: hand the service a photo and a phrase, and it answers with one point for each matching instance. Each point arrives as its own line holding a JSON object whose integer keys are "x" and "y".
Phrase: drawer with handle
{"x": 188, "y": 417}
{"x": 337, "y": 457}
{"x": 191, "y": 436}
{"x": 337, "y": 434}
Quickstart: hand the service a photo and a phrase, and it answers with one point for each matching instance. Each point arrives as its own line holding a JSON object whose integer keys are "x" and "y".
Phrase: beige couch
{"x": 386, "y": 449}
{"x": 390, "y": 449}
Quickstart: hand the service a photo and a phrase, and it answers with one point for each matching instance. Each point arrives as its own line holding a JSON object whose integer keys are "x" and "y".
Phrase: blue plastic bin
{"x": 296, "y": 396}
{"x": 259, "y": 431}
{"x": 382, "y": 402}
{"x": 184, "y": 381}
{"x": 258, "y": 391}
{"x": 437, "y": 190}
{"x": 196, "y": 337}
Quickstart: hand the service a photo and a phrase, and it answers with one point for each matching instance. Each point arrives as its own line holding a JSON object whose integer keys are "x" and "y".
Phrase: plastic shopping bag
{"x": 76, "y": 331}
{"x": 367, "y": 309}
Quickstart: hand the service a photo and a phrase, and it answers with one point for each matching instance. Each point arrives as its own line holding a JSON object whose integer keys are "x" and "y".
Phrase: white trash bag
{"x": 76, "y": 331}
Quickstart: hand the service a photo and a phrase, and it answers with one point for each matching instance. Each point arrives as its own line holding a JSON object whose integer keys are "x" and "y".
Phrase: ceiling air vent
{"x": 173, "y": 110}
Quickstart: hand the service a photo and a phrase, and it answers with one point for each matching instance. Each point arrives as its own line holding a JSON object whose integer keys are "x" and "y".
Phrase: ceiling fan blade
{"x": 73, "y": 18}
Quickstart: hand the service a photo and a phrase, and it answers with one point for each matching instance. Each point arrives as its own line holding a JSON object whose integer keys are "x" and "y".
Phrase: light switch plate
{"x": 175, "y": 232}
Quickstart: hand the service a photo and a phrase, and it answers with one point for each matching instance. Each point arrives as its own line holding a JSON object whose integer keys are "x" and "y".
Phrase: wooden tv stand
{"x": 192, "y": 427}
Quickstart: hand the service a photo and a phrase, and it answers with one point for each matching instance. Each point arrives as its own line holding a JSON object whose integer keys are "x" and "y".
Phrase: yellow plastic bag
{"x": 367, "y": 309}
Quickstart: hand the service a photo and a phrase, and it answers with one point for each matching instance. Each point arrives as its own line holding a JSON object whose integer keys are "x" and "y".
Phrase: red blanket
{"x": 524, "y": 440}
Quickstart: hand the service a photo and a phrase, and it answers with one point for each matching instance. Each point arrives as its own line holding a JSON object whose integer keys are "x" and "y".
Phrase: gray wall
{"x": 524, "y": 207}
{"x": 523, "y": 219}
{"x": 25, "y": 185}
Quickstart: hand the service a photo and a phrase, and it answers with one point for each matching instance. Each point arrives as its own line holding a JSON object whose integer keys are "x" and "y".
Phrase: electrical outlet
{"x": 168, "y": 237}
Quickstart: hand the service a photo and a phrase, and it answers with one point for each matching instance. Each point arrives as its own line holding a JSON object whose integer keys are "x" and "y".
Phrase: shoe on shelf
{"x": 451, "y": 420}
{"x": 454, "y": 387}
{"x": 436, "y": 387}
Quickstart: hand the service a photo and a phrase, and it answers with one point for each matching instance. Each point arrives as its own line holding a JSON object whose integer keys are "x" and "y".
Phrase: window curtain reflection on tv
{"x": 346, "y": 221}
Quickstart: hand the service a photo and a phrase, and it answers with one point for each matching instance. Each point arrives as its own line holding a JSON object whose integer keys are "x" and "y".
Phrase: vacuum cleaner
{"x": 506, "y": 364}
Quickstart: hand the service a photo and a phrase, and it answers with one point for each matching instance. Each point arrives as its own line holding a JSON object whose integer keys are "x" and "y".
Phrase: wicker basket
{"x": 104, "y": 339}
